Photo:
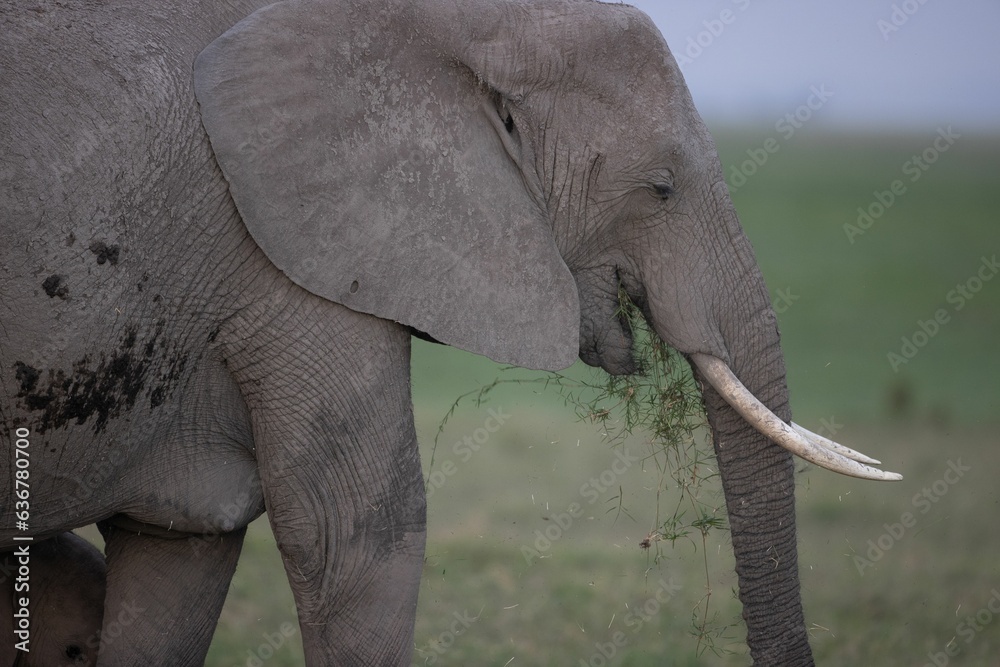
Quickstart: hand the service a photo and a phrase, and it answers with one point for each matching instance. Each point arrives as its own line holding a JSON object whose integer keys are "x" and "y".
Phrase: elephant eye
{"x": 663, "y": 191}
{"x": 508, "y": 120}
{"x": 503, "y": 113}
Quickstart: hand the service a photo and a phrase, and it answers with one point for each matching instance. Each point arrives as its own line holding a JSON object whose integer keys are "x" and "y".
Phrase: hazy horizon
{"x": 889, "y": 65}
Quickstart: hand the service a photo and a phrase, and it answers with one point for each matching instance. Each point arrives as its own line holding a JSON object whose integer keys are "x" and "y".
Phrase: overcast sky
{"x": 901, "y": 64}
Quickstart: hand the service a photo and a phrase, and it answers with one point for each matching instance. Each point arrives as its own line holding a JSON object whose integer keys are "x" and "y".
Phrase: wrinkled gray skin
{"x": 66, "y": 603}
{"x": 186, "y": 353}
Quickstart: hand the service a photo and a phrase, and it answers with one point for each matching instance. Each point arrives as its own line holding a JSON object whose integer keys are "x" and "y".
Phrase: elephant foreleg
{"x": 340, "y": 470}
{"x": 164, "y": 596}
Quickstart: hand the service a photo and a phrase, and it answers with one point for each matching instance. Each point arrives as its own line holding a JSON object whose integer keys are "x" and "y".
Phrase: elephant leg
{"x": 164, "y": 596}
{"x": 340, "y": 470}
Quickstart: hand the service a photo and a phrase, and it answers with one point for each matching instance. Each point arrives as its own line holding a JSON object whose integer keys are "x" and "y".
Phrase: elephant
{"x": 224, "y": 222}
{"x": 66, "y": 608}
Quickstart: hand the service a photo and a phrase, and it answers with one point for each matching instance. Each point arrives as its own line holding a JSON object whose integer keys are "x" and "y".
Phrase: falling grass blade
{"x": 663, "y": 404}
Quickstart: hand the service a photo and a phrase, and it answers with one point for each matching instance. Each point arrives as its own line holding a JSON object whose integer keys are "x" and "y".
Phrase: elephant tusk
{"x": 817, "y": 439}
{"x": 767, "y": 423}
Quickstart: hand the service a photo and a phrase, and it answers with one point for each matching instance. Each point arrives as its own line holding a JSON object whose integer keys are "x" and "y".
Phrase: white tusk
{"x": 817, "y": 439}
{"x": 767, "y": 423}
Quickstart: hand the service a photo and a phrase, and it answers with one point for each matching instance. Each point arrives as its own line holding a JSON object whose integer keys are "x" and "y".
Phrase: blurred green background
{"x": 889, "y": 576}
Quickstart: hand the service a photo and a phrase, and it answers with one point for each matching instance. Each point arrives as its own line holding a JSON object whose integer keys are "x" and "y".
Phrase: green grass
{"x": 562, "y": 607}
{"x": 856, "y": 301}
{"x": 853, "y": 304}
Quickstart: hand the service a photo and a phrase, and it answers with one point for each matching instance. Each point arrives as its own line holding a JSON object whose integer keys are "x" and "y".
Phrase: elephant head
{"x": 491, "y": 174}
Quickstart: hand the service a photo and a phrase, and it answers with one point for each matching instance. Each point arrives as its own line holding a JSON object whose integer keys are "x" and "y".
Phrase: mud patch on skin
{"x": 26, "y": 376}
{"x": 55, "y": 287}
{"x": 100, "y": 388}
{"x": 105, "y": 253}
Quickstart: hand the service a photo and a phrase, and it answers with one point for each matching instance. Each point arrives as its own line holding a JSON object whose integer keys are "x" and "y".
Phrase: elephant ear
{"x": 370, "y": 165}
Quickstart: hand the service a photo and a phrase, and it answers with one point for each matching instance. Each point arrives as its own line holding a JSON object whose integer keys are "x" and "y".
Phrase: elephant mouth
{"x": 796, "y": 439}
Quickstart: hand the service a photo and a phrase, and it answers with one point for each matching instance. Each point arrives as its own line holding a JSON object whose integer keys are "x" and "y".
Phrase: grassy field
{"x": 856, "y": 296}
{"x": 888, "y": 576}
{"x": 890, "y": 573}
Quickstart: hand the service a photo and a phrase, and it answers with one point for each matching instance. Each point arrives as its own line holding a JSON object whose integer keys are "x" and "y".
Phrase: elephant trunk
{"x": 754, "y": 439}
{"x": 733, "y": 342}
{"x": 720, "y": 316}
{"x": 758, "y": 481}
